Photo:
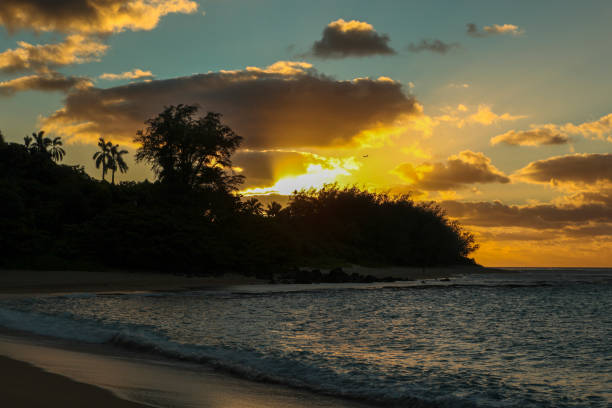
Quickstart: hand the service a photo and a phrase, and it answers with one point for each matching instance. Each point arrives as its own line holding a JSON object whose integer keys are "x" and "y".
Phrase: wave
{"x": 243, "y": 363}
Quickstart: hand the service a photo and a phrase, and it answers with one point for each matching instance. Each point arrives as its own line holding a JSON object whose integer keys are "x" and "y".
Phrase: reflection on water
{"x": 538, "y": 339}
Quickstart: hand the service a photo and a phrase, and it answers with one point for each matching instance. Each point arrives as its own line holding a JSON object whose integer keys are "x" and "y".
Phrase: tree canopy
{"x": 184, "y": 149}
{"x": 56, "y": 216}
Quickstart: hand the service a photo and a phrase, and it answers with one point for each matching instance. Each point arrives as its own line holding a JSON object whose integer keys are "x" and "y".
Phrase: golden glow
{"x": 352, "y": 25}
{"x": 316, "y": 176}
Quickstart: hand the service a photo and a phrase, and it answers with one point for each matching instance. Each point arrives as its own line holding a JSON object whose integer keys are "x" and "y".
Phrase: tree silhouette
{"x": 2, "y": 138}
{"x": 273, "y": 209}
{"x": 117, "y": 162}
{"x": 27, "y": 141}
{"x": 104, "y": 157}
{"x": 39, "y": 143}
{"x": 56, "y": 151}
{"x": 183, "y": 149}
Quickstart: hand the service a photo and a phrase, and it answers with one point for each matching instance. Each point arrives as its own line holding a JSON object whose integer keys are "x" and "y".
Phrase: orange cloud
{"x": 557, "y": 134}
{"x": 134, "y": 74}
{"x": 460, "y": 116}
{"x": 485, "y": 116}
{"x": 89, "y": 16}
{"x": 536, "y": 136}
{"x": 458, "y": 172}
{"x": 495, "y": 29}
{"x": 75, "y": 49}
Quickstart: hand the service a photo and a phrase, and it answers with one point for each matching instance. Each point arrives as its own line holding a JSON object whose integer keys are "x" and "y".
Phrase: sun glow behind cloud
{"x": 316, "y": 176}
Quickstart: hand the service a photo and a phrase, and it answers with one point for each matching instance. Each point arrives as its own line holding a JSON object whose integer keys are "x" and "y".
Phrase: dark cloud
{"x": 88, "y": 16}
{"x": 458, "y": 172}
{"x": 495, "y": 29}
{"x": 48, "y": 82}
{"x": 573, "y": 169}
{"x": 532, "y": 137}
{"x": 432, "y": 45}
{"x": 351, "y": 39}
{"x": 287, "y": 105}
{"x": 539, "y": 216}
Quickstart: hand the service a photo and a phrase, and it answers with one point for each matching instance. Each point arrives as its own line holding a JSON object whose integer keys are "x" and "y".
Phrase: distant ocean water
{"x": 535, "y": 338}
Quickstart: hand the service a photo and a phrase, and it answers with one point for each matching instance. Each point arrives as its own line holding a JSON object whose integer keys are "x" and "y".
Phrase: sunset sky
{"x": 499, "y": 110}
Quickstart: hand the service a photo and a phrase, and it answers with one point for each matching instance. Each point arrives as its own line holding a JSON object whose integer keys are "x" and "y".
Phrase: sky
{"x": 498, "y": 110}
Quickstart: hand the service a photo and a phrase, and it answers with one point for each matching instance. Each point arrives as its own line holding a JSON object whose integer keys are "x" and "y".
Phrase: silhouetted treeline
{"x": 56, "y": 216}
{"x": 191, "y": 221}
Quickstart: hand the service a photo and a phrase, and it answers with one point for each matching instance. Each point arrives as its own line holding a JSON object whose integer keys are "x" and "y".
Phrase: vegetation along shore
{"x": 191, "y": 218}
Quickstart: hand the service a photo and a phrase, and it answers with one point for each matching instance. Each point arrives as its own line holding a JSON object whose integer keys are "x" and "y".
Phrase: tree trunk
{"x": 113, "y": 177}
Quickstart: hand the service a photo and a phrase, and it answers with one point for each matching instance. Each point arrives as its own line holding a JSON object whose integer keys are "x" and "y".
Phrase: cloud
{"x": 133, "y": 74}
{"x": 75, "y": 49}
{"x": 495, "y": 29}
{"x": 286, "y": 105}
{"x": 550, "y": 133}
{"x": 536, "y": 136}
{"x": 596, "y": 129}
{"x": 460, "y": 116}
{"x": 89, "y": 16}
{"x": 485, "y": 116}
{"x": 351, "y": 39}
{"x": 575, "y": 171}
{"x": 458, "y": 172}
{"x": 433, "y": 45}
{"x": 45, "y": 82}
{"x": 282, "y": 172}
{"x": 536, "y": 216}
{"x": 263, "y": 168}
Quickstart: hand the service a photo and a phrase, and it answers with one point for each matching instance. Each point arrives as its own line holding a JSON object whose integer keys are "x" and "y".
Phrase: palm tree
{"x": 39, "y": 143}
{"x": 117, "y": 162}
{"x": 103, "y": 157}
{"x": 27, "y": 141}
{"x": 57, "y": 152}
{"x": 274, "y": 209}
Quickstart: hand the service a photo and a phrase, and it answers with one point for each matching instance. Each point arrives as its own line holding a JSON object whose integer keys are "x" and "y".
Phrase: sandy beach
{"x": 23, "y": 385}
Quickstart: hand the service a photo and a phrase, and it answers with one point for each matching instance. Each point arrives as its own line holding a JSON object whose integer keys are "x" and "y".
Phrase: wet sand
{"x": 23, "y": 385}
{"x": 131, "y": 376}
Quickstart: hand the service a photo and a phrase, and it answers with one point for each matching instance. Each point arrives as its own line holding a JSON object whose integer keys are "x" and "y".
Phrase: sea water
{"x": 533, "y": 338}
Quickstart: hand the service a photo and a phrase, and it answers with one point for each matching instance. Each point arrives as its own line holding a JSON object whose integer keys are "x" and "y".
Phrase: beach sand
{"x": 131, "y": 376}
{"x": 23, "y": 385}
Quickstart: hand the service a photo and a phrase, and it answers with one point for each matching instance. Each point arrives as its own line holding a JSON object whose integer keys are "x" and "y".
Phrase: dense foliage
{"x": 56, "y": 216}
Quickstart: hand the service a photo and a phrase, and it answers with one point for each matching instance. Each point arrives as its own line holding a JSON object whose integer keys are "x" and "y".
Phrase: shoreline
{"x": 37, "y": 282}
{"x": 58, "y": 388}
{"x": 72, "y": 374}
{"x": 52, "y": 390}
{"x": 24, "y": 281}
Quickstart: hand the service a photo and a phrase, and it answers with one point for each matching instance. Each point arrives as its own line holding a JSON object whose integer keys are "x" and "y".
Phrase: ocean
{"x": 533, "y": 338}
